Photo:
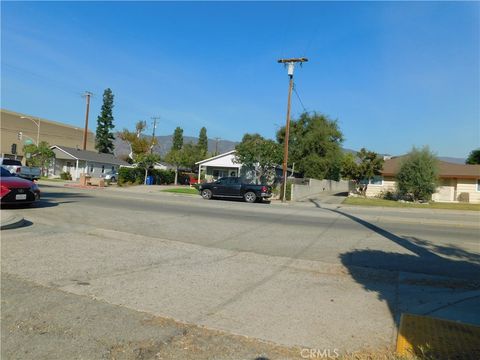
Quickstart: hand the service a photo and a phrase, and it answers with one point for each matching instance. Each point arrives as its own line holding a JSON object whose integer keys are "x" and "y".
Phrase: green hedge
{"x": 288, "y": 192}
{"x": 137, "y": 176}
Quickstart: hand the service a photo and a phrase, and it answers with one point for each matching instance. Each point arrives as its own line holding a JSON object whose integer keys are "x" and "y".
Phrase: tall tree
{"x": 139, "y": 144}
{"x": 104, "y": 136}
{"x": 177, "y": 141}
{"x": 259, "y": 154}
{"x": 362, "y": 168}
{"x": 314, "y": 146}
{"x": 176, "y": 158}
{"x": 40, "y": 156}
{"x": 418, "y": 175}
{"x": 473, "y": 157}
{"x": 203, "y": 141}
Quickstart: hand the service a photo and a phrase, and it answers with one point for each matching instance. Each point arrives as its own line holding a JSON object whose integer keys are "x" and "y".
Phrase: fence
{"x": 315, "y": 188}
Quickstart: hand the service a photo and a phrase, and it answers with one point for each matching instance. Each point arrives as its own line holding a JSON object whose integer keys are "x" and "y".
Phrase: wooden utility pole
{"x": 216, "y": 145}
{"x": 154, "y": 118}
{"x": 290, "y": 63}
{"x": 85, "y": 131}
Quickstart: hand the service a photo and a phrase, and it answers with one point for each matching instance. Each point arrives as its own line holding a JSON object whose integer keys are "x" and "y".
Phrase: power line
{"x": 298, "y": 96}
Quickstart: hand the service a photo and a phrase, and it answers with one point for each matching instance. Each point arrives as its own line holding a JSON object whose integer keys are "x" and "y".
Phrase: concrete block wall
{"x": 320, "y": 187}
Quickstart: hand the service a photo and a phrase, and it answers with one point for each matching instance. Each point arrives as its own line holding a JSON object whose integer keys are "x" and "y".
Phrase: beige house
{"x": 457, "y": 181}
{"x": 18, "y": 129}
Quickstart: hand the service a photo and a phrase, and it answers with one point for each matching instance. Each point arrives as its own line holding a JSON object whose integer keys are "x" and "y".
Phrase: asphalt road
{"x": 312, "y": 275}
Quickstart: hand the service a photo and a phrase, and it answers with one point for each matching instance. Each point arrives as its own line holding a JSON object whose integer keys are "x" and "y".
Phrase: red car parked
{"x": 15, "y": 190}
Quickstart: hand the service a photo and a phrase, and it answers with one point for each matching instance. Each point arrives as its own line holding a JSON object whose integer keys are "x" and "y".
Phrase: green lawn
{"x": 188, "y": 191}
{"x": 390, "y": 203}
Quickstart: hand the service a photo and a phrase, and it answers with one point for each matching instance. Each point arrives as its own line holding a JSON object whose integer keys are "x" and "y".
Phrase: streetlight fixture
{"x": 36, "y": 122}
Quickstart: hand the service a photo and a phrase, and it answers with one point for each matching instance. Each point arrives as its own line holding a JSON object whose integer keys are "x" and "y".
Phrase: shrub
{"x": 130, "y": 176}
{"x": 162, "y": 177}
{"x": 65, "y": 176}
{"x": 137, "y": 176}
{"x": 464, "y": 197}
{"x": 417, "y": 177}
{"x": 288, "y": 192}
{"x": 388, "y": 195}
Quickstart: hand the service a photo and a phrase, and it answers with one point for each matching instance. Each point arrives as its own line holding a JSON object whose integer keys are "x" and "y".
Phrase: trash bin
{"x": 149, "y": 180}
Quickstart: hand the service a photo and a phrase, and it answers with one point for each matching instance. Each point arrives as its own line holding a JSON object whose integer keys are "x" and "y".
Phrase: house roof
{"x": 215, "y": 157}
{"x": 445, "y": 169}
{"x": 93, "y": 156}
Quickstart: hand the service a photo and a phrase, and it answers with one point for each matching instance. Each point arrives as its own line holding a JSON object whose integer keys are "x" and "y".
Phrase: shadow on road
{"x": 461, "y": 269}
{"x": 48, "y": 200}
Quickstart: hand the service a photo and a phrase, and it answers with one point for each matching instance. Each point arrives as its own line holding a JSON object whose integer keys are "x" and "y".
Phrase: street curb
{"x": 12, "y": 222}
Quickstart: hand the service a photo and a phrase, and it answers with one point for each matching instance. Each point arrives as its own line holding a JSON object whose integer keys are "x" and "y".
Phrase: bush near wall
{"x": 288, "y": 191}
{"x": 137, "y": 176}
{"x": 65, "y": 176}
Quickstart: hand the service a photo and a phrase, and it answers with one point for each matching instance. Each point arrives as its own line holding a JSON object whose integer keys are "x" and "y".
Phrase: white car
{"x": 110, "y": 176}
{"x": 15, "y": 167}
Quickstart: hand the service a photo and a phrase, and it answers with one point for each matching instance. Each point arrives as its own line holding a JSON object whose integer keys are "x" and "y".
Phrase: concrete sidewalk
{"x": 283, "y": 300}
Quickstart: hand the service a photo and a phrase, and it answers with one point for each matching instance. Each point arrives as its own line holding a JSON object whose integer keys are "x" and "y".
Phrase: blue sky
{"x": 393, "y": 74}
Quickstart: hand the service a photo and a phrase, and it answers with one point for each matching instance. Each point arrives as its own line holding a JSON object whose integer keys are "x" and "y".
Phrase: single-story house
{"x": 224, "y": 165}
{"x": 76, "y": 162}
{"x": 456, "y": 181}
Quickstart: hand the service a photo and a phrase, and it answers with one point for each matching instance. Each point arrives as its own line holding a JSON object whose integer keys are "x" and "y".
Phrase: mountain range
{"x": 164, "y": 143}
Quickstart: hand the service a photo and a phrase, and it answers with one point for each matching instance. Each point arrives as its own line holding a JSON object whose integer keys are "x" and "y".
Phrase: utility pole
{"x": 290, "y": 64}
{"x": 216, "y": 145}
{"x": 154, "y": 118}
{"x": 85, "y": 131}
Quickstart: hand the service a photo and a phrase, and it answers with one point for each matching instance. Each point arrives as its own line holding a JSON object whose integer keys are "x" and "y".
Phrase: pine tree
{"x": 177, "y": 139}
{"x": 203, "y": 142}
{"x": 104, "y": 136}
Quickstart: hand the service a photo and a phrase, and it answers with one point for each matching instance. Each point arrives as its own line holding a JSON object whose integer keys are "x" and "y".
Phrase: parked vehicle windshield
{"x": 11, "y": 162}
{"x": 5, "y": 172}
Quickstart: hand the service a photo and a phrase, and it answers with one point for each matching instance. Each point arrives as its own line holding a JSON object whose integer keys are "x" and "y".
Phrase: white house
{"x": 224, "y": 165}
{"x": 76, "y": 161}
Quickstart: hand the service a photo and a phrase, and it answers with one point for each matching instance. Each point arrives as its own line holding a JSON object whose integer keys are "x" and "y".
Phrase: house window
{"x": 113, "y": 168}
{"x": 376, "y": 180}
{"x": 103, "y": 169}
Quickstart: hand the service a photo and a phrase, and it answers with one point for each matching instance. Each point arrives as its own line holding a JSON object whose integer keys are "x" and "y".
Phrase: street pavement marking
{"x": 434, "y": 338}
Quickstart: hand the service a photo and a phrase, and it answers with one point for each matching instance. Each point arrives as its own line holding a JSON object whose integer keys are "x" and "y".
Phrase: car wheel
{"x": 207, "y": 194}
{"x": 112, "y": 179}
{"x": 250, "y": 197}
